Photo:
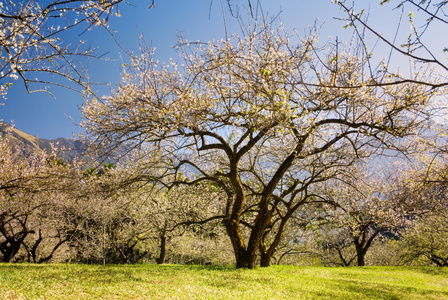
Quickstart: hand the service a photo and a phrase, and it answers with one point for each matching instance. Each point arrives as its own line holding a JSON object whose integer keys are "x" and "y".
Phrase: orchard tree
{"x": 362, "y": 209}
{"x": 425, "y": 240}
{"x": 111, "y": 218}
{"x": 182, "y": 209}
{"x": 103, "y": 222}
{"x": 406, "y": 202}
{"x": 258, "y": 116}
{"x": 48, "y": 238}
{"x": 29, "y": 194}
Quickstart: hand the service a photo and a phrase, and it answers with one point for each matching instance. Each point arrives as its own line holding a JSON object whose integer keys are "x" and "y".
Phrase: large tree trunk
{"x": 10, "y": 251}
{"x": 11, "y": 247}
{"x": 162, "y": 255}
{"x": 360, "y": 256}
{"x": 246, "y": 260}
{"x": 246, "y": 257}
{"x": 360, "y": 253}
{"x": 243, "y": 258}
{"x": 363, "y": 243}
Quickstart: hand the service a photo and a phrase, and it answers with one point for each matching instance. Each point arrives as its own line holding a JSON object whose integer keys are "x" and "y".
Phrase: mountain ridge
{"x": 66, "y": 149}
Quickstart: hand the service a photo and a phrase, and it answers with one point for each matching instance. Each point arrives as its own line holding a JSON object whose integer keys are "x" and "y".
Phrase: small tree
{"x": 363, "y": 209}
{"x": 30, "y": 190}
{"x": 425, "y": 242}
{"x": 180, "y": 210}
{"x": 48, "y": 236}
{"x": 103, "y": 224}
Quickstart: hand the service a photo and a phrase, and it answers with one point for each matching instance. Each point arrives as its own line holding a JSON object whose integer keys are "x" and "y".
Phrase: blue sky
{"x": 40, "y": 114}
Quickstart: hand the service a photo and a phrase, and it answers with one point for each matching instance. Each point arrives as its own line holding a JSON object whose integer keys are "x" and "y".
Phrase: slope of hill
{"x": 68, "y": 149}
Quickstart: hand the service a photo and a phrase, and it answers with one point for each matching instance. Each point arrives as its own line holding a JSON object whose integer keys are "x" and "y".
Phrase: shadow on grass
{"x": 381, "y": 290}
{"x": 443, "y": 271}
{"x": 372, "y": 292}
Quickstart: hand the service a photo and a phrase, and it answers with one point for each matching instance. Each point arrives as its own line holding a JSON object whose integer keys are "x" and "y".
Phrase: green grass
{"x": 60, "y": 281}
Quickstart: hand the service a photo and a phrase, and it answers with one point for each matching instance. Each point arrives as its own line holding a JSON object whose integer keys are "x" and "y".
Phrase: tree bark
{"x": 245, "y": 256}
{"x": 265, "y": 254}
{"x": 242, "y": 257}
{"x": 162, "y": 255}
{"x": 363, "y": 246}
{"x": 11, "y": 246}
{"x": 360, "y": 253}
{"x": 265, "y": 260}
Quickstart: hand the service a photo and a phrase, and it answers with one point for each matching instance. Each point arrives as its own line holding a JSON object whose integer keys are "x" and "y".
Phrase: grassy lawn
{"x": 60, "y": 281}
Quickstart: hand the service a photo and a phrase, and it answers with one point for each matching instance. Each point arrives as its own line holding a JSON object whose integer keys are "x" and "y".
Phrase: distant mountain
{"x": 68, "y": 149}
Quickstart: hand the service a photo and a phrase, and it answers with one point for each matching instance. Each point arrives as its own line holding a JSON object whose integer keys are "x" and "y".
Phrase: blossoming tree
{"x": 260, "y": 116}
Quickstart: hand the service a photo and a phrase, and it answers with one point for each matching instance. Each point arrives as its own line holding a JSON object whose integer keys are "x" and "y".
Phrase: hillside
{"x": 27, "y": 144}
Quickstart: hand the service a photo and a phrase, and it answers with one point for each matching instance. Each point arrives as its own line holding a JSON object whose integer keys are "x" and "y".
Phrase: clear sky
{"x": 40, "y": 114}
